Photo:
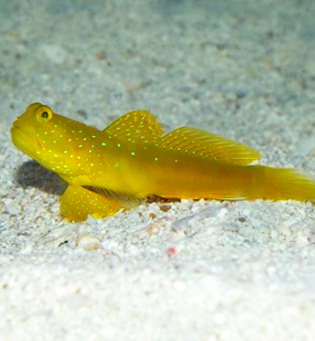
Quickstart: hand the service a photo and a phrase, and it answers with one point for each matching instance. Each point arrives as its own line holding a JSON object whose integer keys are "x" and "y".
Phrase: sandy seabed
{"x": 203, "y": 270}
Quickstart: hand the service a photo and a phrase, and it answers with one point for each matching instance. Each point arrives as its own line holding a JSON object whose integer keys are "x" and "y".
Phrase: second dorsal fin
{"x": 209, "y": 146}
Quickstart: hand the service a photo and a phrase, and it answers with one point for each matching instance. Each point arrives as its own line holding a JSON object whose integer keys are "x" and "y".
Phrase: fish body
{"x": 115, "y": 168}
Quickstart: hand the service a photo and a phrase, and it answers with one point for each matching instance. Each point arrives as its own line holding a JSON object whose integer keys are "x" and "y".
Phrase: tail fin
{"x": 283, "y": 184}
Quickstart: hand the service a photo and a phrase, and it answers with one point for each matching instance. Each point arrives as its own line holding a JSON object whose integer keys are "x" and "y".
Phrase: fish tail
{"x": 284, "y": 184}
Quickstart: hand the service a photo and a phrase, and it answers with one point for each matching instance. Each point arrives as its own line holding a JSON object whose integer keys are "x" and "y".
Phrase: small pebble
{"x": 88, "y": 242}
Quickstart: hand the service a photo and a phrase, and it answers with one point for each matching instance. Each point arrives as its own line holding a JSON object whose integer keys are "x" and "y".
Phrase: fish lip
{"x": 15, "y": 126}
{"x": 23, "y": 135}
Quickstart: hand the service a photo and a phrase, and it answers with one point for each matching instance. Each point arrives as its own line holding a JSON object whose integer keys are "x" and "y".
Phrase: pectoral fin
{"x": 125, "y": 199}
{"x": 77, "y": 203}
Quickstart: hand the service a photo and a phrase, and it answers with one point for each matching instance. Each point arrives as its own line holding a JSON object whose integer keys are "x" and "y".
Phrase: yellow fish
{"x": 110, "y": 169}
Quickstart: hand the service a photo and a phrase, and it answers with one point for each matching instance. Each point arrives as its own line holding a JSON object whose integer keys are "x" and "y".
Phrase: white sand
{"x": 199, "y": 270}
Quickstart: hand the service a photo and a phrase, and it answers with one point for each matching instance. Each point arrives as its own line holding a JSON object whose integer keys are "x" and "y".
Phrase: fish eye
{"x": 44, "y": 114}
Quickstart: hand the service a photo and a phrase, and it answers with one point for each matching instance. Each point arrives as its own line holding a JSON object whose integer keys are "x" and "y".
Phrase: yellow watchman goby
{"x": 114, "y": 168}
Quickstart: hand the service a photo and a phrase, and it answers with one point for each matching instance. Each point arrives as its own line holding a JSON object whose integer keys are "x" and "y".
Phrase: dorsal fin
{"x": 209, "y": 146}
{"x": 137, "y": 125}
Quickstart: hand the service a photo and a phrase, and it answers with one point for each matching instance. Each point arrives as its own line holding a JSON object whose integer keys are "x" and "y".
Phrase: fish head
{"x": 54, "y": 141}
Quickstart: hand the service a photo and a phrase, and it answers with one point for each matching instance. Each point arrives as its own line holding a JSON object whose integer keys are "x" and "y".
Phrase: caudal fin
{"x": 284, "y": 184}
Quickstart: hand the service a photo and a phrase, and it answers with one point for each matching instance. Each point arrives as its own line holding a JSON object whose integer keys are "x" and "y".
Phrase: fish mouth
{"x": 16, "y": 129}
{"x": 15, "y": 126}
{"x": 26, "y": 141}
{"x": 17, "y": 132}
